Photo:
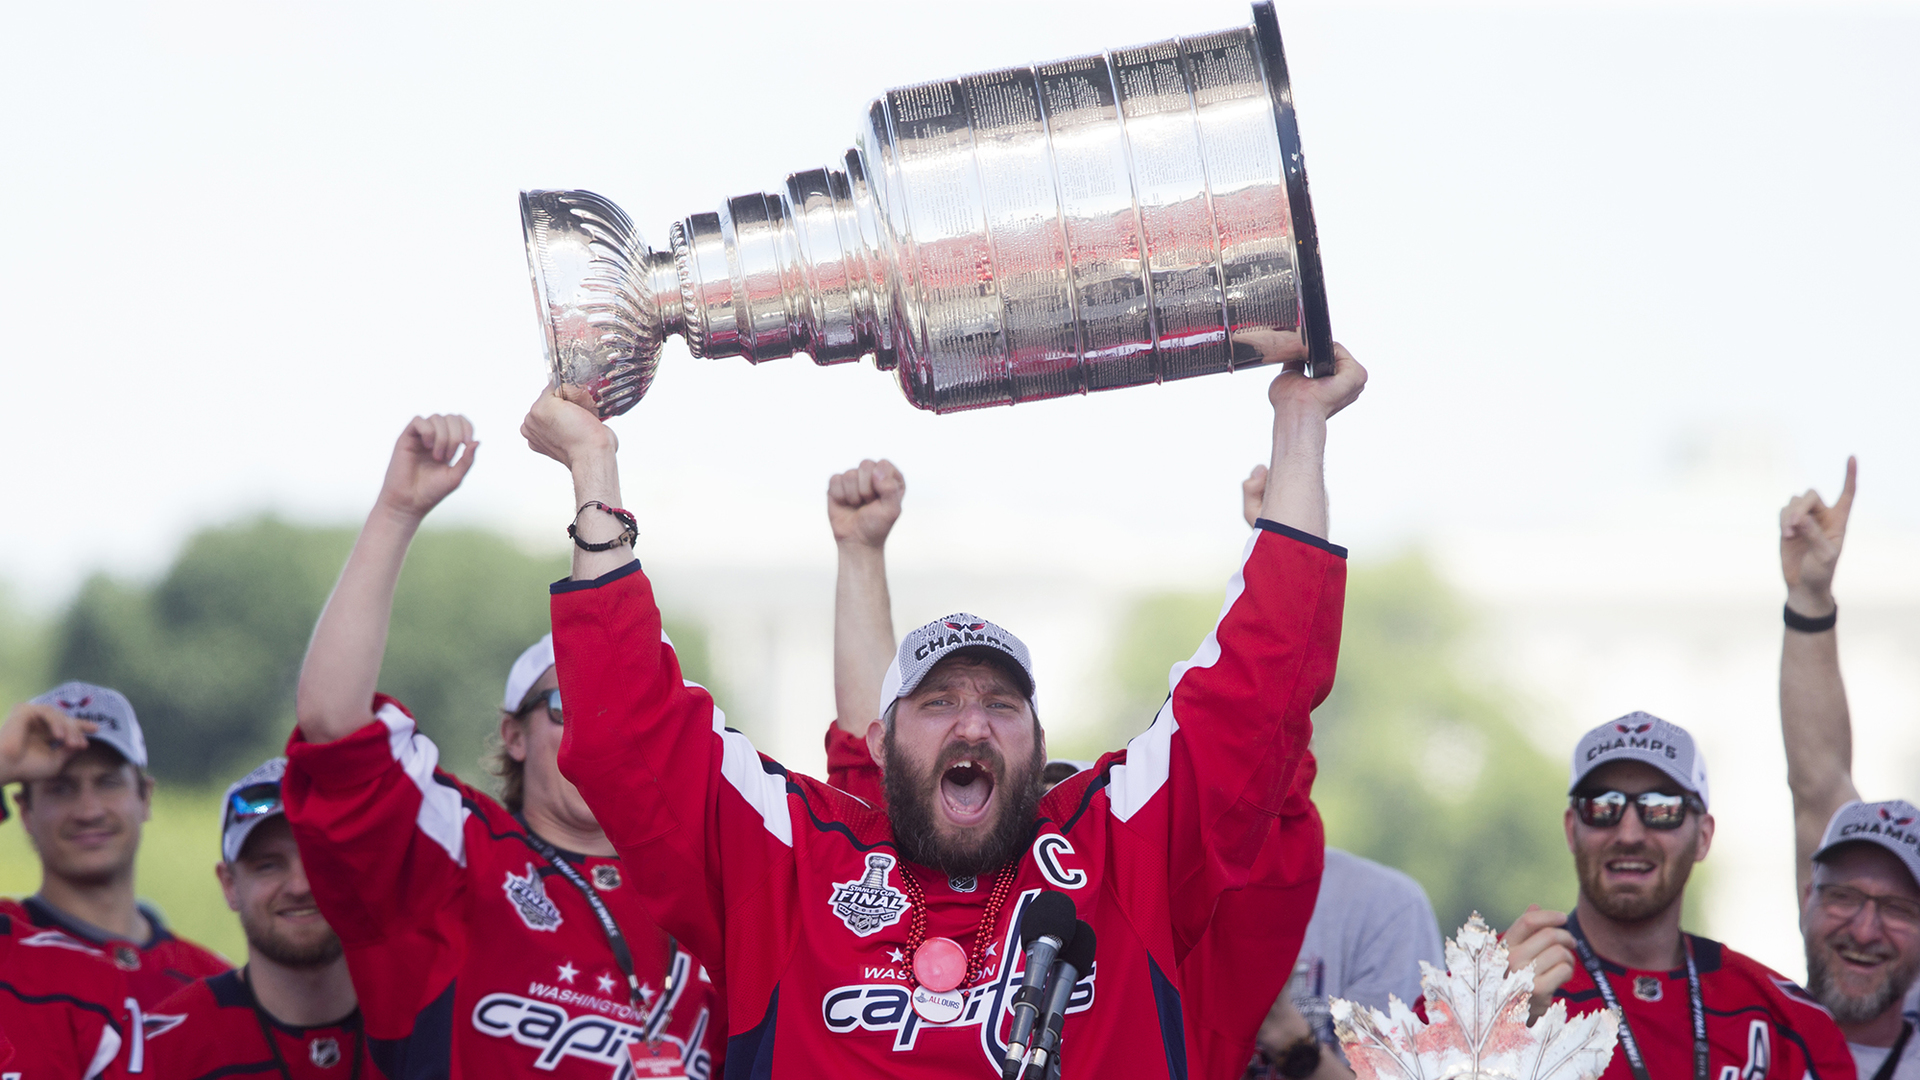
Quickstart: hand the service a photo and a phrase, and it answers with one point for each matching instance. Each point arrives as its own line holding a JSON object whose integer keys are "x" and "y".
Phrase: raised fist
{"x": 864, "y": 502}
{"x": 428, "y": 463}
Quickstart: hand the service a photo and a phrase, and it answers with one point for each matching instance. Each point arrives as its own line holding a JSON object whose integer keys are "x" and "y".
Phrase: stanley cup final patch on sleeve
{"x": 870, "y": 903}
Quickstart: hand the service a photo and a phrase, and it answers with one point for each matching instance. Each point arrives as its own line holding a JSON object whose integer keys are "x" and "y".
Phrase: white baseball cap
{"x": 109, "y": 710}
{"x": 1640, "y": 736}
{"x": 1894, "y": 825}
{"x": 250, "y": 800}
{"x": 526, "y": 671}
{"x": 926, "y": 646}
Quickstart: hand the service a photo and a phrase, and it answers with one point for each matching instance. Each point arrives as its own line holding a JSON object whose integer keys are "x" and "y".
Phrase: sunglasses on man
{"x": 1657, "y": 810}
{"x": 253, "y": 801}
{"x": 551, "y": 699}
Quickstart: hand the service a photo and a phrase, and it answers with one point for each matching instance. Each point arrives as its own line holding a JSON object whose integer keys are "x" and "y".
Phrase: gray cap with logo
{"x": 921, "y": 649}
{"x": 1640, "y": 736}
{"x": 250, "y": 800}
{"x": 109, "y": 709}
{"x": 1894, "y": 825}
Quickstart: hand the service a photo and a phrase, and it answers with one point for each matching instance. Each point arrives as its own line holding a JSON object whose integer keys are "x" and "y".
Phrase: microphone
{"x": 1075, "y": 960}
{"x": 1045, "y": 928}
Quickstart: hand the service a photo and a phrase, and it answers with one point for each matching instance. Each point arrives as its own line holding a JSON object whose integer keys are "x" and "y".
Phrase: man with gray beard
{"x": 291, "y": 1009}
{"x": 1857, "y": 863}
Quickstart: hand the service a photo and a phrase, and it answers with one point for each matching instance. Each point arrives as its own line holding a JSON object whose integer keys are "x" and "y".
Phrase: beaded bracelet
{"x": 629, "y": 532}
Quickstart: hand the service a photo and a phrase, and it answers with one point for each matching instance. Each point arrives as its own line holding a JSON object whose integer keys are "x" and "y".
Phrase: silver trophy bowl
{"x": 1111, "y": 220}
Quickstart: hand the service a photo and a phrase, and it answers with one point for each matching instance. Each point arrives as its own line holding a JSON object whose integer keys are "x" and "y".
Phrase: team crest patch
{"x": 606, "y": 878}
{"x": 870, "y": 903}
{"x": 530, "y": 899}
{"x": 324, "y": 1052}
{"x": 1646, "y": 988}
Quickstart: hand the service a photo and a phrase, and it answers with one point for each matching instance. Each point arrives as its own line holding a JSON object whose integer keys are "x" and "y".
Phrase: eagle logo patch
{"x": 530, "y": 899}
{"x": 870, "y": 903}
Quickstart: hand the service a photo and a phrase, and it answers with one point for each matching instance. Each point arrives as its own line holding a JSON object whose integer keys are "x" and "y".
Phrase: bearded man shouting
{"x": 860, "y": 942}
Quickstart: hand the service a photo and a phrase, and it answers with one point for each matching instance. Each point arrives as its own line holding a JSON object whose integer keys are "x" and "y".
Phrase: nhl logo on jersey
{"x": 530, "y": 899}
{"x": 1646, "y": 988}
{"x": 125, "y": 958}
{"x": 870, "y": 903}
{"x": 606, "y": 878}
{"x": 324, "y": 1052}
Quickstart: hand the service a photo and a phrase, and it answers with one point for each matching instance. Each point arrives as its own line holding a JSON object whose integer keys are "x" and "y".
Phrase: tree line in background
{"x": 210, "y": 653}
{"x": 1422, "y": 767}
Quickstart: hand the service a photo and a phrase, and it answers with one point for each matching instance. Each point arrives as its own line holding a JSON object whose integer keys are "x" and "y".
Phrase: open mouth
{"x": 966, "y": 791}
{"x": 1630, "y": 868}
{"x": 1860, "y": 961}
{"x": 299, "y": 914}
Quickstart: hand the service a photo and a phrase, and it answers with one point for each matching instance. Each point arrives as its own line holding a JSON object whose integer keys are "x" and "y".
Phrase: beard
{"x": 284, "y": 949}
{"x": 1847, "y": 1007}
{"x": 911, "y": 794}
{"x": 1630, "y": 906}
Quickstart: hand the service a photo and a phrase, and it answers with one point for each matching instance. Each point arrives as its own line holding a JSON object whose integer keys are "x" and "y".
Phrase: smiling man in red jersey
{"x": 1689, "y": 1006}
{"x": 857, "y": 941}
{"x": 1857, "y": 863}
{"x": 85, "y": 823}
{"x": 65, "y": 1012}
{"x": 486, "y": 937}
{"x": 290, "y": 1011}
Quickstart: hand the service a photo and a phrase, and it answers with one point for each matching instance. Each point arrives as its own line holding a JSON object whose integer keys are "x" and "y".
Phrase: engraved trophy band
{"x": 1129, "y": 217}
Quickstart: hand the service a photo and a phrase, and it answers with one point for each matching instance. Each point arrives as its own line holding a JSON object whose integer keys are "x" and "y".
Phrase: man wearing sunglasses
{"x": 1636, "y": 824}
{"x": 291, "y": 1010}
{"x": 1857, "y": 863}
{"x": 85, "y": 821}
{"x": 487, "y": 938}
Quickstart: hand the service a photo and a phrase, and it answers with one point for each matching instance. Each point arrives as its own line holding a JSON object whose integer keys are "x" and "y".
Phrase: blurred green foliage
{"x": 1423, "y": 765}
{"x": 210, "y": 654}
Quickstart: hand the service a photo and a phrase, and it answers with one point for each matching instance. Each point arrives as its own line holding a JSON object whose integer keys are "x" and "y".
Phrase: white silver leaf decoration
{"x": 1476, "y": 1027}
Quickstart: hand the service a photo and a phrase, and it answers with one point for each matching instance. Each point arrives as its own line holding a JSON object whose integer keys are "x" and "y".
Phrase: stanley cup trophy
{"x": 1106, "y": 221}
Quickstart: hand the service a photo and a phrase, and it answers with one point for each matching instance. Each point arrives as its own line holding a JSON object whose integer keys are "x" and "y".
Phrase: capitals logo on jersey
{"x": 530, "y": 899}
{"x": 885, "y": 1006}
{"x": 871, "y": 903}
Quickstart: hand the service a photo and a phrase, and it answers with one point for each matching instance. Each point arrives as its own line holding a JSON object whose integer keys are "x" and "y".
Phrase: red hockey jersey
{"x": 1760, "y": 1026}
{"x": 213, "y": 1029}
{"x": 472, "y": 956}
{"x": 154, "y": 971}
{"x": 65, "y": 1012}
{"x": 1238, "y": 968}
{"x": 793, "y": 884}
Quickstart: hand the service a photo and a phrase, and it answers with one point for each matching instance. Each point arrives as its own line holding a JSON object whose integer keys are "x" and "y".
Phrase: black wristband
{"x": 1797, "y": 621}
{"x": 629, "y": 531}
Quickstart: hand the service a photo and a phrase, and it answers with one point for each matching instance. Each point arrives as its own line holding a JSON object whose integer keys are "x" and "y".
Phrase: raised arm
{"x": 1813, "y": 700}
{"x": 342, "y": 667}
{"x": 862, "y": 505}
{"x": 1296, "y": 493}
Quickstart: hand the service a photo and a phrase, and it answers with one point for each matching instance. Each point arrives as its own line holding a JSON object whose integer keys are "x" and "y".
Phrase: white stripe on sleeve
{"x": 102, "y": 1054}
{"x": 1150, "y": 754}
{"x": 740, "y": 765}
{"x": 442, "y": 816}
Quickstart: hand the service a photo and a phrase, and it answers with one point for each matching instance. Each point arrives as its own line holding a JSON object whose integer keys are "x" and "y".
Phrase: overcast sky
{"x": 1578, "y": 246}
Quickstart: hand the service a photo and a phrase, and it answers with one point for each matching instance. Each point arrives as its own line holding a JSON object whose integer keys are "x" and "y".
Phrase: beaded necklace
{"x": 977, "y": 956}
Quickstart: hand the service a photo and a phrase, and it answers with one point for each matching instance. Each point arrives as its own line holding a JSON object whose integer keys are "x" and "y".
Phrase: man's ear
{"x": 1706, "y": 837}
{"x": 513, "y": 736}
{"x": 876, "y": 745}
{"x": 1568, "y": 821}
{"x": 225, "y": 873}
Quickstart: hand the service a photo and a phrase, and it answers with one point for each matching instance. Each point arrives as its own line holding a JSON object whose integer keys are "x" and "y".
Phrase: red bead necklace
{"x": 977, "y": 956}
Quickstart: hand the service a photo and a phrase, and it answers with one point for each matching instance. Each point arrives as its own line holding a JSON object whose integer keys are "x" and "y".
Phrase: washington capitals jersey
{"x": 795, "y": 887}
{"x": 154, "y": 971}
{"x": 214, "y": 1028}
{"x": 65, "y": 1012}
{"x": 1760, "y": 1026}
{"x": 1237, "y": 969}
{"x": 472, "y": 956}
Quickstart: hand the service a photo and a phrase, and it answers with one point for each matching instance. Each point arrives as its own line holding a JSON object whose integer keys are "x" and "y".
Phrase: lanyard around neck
{"x": 1629, "y": 1044}
{"x": 1885, "y": 1071}
{"x": 678, "y": 962}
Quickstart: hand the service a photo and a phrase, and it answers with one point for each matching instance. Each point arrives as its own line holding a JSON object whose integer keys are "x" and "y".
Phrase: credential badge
{"x": 324, "y": 1052}
{"x": 870, "y": 903}
{"x": 530, "y": 899}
